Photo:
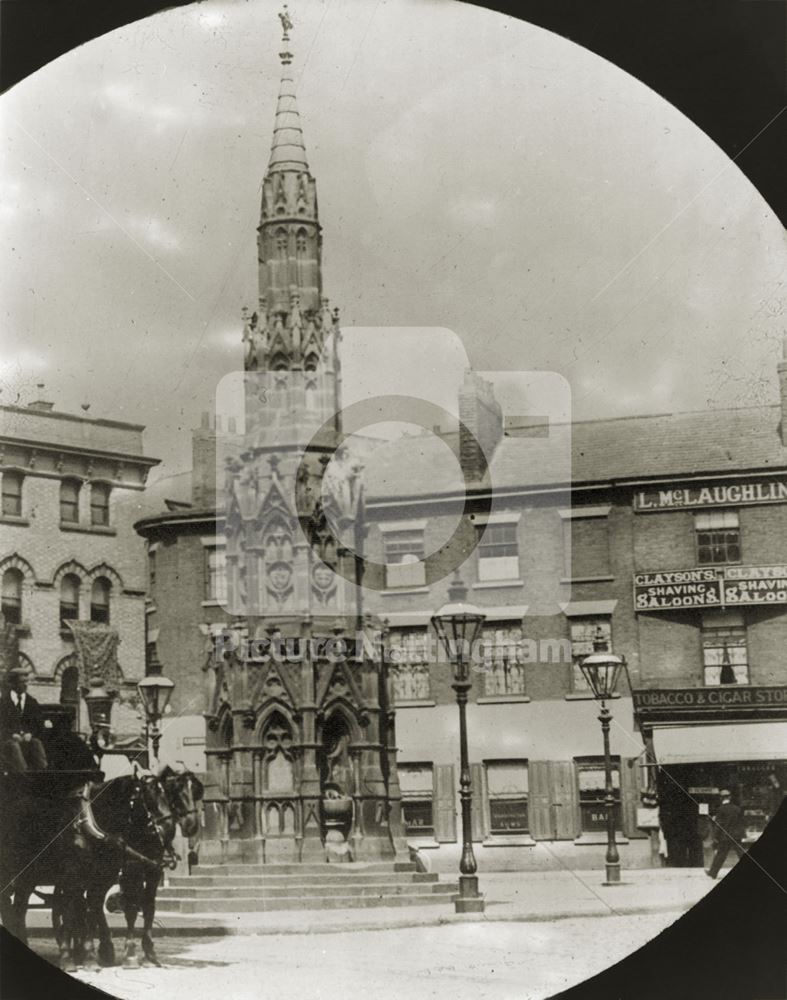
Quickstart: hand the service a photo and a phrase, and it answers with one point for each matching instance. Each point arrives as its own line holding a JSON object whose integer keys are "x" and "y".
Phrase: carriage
{"x": 68, "y": 828}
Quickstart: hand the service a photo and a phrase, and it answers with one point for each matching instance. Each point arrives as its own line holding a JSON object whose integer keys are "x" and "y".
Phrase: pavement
{"x": 509, "y": 897}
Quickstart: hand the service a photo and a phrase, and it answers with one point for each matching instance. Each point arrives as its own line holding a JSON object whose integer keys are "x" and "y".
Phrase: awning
{"x": 722, "y": 742}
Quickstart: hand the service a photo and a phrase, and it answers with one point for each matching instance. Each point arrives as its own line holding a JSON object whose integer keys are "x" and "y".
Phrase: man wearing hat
{"x": 728, "y": 832}
{"x": 21, "y": 726}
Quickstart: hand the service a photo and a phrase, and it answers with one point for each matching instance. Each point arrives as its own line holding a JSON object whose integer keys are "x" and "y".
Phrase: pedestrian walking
{"x": 728, "y": 833}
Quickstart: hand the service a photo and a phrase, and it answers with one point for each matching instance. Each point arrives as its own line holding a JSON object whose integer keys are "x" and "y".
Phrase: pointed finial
{"x": 286, "y": 26}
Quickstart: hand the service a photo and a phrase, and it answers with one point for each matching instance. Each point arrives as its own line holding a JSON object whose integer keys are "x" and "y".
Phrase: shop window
{"x": 590, "y": 777}
{"x": 507, "y": 791}
{"x": 498, "y": 552}
{"x": 99, "y": 600}
{"x": 725, "y": 657}
{"x": 12, "y": 494}
{"x": 410, "y": 665}
{"x": 404, "y": 553}
{"x": 69, "y": 597}
{"x": 69, "y": 501}
{"x": 216, "y": 574}
{"x": 504, "y": 671}
{"x": 416, "y": 783}
{"x": 99, "y": 504}
{"x": 584, "y": 633}
{"x": 718, "y": 537}
{"x": 12, "y": 596}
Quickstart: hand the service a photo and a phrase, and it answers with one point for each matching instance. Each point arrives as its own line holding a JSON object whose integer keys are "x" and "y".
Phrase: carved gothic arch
{"x": 273, "y": 708}
{"x": 341, "y": 707}
{"x": 104, "y": 569}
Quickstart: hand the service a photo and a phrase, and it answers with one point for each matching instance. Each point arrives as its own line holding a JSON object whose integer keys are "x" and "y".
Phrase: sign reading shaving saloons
{"x": 711, "y": 586}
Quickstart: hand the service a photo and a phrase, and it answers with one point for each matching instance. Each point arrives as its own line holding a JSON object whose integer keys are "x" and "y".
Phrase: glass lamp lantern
{"x": 458, "y": 625}
{"x": 602, "y": 669}
{"x": 155, "y": 690}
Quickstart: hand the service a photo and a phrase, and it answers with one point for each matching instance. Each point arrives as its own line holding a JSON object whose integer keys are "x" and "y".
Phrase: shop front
{"x": 698, "y": 748}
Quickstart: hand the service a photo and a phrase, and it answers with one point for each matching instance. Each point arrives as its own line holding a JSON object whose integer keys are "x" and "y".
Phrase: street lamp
{"x": 458, "y": 625}
{"x": 602, "y": 670}
{"x": 155, "y": 690}
{"x": 99, "y": 712}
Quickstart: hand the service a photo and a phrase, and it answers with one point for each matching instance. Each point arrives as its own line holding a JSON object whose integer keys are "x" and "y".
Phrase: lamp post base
{"x": 469, "y": 899}
{"x": 613, "y": 874}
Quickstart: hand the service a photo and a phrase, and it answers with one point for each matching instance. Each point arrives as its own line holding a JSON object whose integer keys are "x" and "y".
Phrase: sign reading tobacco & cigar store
{"x": 727, "y": 702}
{"x": 724, "y": 495}
{"x": 710, "y": 587}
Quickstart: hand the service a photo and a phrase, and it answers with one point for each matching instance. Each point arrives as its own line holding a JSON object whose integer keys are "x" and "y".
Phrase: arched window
{"x": 99, "y": 504}
{"x": 12, "y": 596}
{"x": 281, "y": 243}
{"x": 69, "y": 501}
{"x": 301, "y": 243}
{"x": 99, "y": 600}
{"x": 69, "y": 597}
{"x": 12, "y": 494}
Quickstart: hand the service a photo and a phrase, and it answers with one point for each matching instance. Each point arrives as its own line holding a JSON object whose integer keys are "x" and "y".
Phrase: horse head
{"x": 184, "y": 793}
{"x": 159, "y": 817}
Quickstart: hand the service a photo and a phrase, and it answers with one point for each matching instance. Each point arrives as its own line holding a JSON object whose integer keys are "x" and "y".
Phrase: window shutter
{"x": 539, "y": 801}
{"x": 565, "y": 799}
{"x": 478, "y": 815}
{"x": 629, "y": 796}
{"x": 444, "y": 803}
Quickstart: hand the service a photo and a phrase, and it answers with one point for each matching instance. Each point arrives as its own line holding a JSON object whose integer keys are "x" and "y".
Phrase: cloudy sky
{"x": 475, "y": 174}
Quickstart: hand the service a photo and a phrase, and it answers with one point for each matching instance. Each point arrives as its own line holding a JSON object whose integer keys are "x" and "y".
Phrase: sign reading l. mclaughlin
{"x": 709, "y": 587}
{"x": 724, "y": 495}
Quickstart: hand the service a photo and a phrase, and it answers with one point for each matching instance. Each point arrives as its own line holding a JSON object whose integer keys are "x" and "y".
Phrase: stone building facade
{"x": 72, "y": 566}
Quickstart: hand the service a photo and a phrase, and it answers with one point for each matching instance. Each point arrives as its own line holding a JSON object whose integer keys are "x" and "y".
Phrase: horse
{"x": 134, "y": 812}
{"x": 182, "y": 791}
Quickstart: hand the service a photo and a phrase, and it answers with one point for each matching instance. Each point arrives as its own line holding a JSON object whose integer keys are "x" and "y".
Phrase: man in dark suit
{"x": 728, "y": 833}
{"x": 21, "y": 726}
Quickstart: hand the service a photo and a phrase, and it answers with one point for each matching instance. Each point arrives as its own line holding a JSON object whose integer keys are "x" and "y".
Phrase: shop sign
{"x": 710, "y": 587}
{"x": 729, "y": 495}
{"x": 727, "y": 701}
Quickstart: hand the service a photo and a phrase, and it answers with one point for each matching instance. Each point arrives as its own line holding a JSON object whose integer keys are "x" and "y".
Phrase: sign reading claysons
{"x": 710, "y": 587}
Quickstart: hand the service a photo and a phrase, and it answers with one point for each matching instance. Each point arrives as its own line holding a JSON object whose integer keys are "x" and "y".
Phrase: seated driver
{"x": 21, "y": 726}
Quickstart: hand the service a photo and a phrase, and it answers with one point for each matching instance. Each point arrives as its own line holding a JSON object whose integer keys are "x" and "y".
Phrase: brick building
{"x": 70, "y": 561}
{"x": 666, "y": 541}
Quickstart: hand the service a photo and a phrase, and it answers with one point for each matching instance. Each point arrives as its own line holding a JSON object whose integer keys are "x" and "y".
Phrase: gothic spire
{"x": 287, "y": 151}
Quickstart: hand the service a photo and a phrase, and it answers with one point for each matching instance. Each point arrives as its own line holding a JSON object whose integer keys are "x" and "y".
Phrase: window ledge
{"x": 87, "y": 529}
{"x": 18, "y": 520}
{"x": 22, "y": 630}
{"x": 397, "y": 591}
{"x": 212, "y": 604}
{"x": 579, "y": 696}
{"x": 501, "y": 699}
{"x": 598, "y": 839}
{"x": 606, "y": 578}
{"x": 416, "y": 703}
{"x": 491, "y": 584}
{"x": 512, "y": 840}
{"x": 422, "y": 843}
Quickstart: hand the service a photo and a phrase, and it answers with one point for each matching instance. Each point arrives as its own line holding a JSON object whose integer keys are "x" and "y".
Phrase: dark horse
{"x": 143, "y": 810}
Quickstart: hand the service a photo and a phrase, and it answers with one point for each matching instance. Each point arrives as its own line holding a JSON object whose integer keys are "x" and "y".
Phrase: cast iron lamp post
{"x": 155, "y": 690}
{"x": 458, "y": 624}
{"x": 602, "y": 670}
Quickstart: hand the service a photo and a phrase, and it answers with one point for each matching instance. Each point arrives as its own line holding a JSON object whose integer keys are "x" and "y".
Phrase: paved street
{"x": 494, "y": 961}
{"x": 541, "y": 933}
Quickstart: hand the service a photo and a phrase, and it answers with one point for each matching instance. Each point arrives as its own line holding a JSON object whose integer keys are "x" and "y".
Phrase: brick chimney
{"x": 203, "y": 461}
{"x": 781, "y": 368}
{"x": 481, "y": 425}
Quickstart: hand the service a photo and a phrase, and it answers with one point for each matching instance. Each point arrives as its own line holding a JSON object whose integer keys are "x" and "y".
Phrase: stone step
{"x": 240, "y": 905}
{"x": 311, "y": 868}
{"x": 231, "y": 882}
{"x": 284, "y": 892}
